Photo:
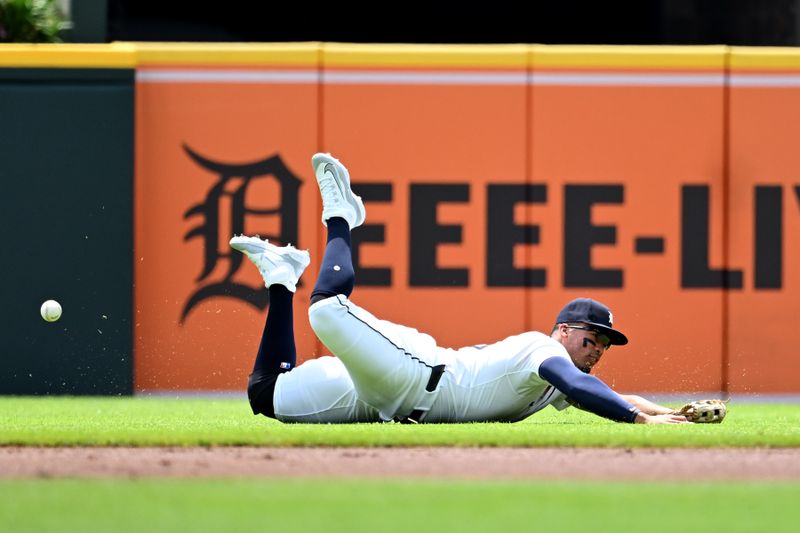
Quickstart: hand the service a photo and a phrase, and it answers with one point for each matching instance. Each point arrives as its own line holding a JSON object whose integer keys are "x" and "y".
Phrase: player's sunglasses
{"x": 602, "y": 338}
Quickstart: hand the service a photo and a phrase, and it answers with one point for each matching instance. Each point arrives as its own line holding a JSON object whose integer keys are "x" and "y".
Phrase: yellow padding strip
{"x": 115, "y": 55}
{"x": 764, "y": 58}
{"x": 629, "y": 57}
{"x": 422, "y": 55}
{"x": 300, "y": 54}
{"x": 510, "y": 56}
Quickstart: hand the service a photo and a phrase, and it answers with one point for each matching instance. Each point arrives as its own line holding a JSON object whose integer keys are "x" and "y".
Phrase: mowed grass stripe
{"x": 92, "y": 421}
{"x": 393, "y": 506}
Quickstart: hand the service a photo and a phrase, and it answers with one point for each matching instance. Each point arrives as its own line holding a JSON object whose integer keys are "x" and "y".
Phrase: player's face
{"x": 584, "y": 344}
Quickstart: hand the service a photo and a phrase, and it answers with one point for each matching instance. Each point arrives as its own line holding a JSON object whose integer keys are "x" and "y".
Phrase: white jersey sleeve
{"x": 544, "y": 349}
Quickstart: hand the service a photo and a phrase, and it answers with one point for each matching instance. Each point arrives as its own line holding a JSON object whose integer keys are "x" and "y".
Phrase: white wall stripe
{"x": 464, "y": 78}
{"x": 583, "y": 78}
{"x": 764, "y": 80}
{"x": 424, "y": 78}
{"x": 226, "y": 76}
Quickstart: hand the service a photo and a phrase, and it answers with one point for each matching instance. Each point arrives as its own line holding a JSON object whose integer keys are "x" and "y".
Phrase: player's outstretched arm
{"x": 646, "y": 405}
{"x": 587, "y": 391}
{"x": 595, "y": 396}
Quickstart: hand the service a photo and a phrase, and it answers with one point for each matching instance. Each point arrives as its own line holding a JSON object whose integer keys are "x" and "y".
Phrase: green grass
{"x": 388, "y": 506}
{"x": 57, "y": 421}
{"x": 226, "y": 504}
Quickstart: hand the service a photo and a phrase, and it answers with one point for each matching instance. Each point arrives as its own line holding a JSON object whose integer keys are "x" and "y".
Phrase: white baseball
{"x": 51, "y": 310}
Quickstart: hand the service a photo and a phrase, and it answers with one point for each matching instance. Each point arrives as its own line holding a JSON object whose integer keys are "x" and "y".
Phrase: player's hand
{"x": 643, "y": 418}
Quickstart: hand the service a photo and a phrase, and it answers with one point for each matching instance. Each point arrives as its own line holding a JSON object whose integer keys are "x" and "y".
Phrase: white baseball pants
{"x": 389, "y": 364}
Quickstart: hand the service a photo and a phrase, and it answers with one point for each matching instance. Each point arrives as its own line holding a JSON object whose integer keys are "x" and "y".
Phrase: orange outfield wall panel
{"x": 432, "y": 136}
{"x": 764, "y": 219}
{"x": 629, "y": 142}
{"x": 500, "y": 182}
{"x": 224, "y": 135}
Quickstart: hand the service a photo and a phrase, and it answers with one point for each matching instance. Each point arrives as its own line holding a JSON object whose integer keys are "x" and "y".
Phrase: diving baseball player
{"x": 384, "y": 371}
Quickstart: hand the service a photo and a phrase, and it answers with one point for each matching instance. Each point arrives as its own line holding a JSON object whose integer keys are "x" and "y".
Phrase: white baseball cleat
{"x": 278, "y": 264}
{"x": 334, "y": 185}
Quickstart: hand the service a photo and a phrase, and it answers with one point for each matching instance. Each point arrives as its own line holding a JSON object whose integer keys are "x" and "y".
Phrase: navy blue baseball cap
{"x": 593, "y": 313}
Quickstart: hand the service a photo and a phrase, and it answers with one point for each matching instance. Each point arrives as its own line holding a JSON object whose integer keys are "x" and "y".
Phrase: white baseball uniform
{"x": 382, "y": 369}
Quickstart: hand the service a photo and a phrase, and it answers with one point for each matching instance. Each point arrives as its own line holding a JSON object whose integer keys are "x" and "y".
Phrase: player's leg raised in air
{"x": 387, "y": 362}
{"x": 281, "y": 268}
{"x": 318, "y": 391}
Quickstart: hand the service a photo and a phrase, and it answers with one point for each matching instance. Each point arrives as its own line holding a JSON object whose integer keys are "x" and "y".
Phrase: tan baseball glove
{"x": 704, "y": 411}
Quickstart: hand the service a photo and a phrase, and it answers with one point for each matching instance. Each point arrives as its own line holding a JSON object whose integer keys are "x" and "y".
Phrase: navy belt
{"x": 417, "y": 415}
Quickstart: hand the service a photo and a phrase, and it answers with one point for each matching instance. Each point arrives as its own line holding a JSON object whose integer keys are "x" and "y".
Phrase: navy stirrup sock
{"x": 336, "y": 275}
{"x": 277, "y": 352}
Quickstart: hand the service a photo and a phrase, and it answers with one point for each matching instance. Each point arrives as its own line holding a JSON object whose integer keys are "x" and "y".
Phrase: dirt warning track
{"x": 432, "y": 463}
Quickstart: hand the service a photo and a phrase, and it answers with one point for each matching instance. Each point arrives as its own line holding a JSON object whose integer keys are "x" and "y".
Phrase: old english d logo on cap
{"x": 595, "y": 314}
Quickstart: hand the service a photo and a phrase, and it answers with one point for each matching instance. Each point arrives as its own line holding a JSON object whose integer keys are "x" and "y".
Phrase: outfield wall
{"x": 500, "y": 182}
{"x": 66, "y": 168}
